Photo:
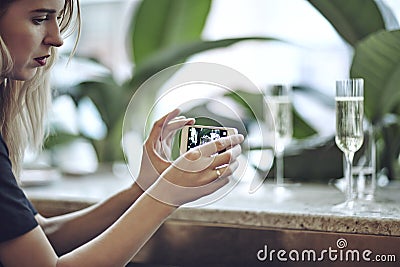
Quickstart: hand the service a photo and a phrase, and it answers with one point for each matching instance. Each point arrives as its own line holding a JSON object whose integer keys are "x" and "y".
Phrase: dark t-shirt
{"x": 17, "y": 215}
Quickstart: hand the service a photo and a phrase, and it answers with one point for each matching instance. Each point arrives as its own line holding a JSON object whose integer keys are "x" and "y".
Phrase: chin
{"x": 23, "y": 75}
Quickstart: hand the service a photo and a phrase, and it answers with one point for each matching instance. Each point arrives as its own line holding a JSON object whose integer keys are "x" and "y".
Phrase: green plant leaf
{"x": 301, "y": 129}
{"x": 178, "y": 54}
{"x": 109, "y": 98}
{"x": 377, "y": 60}
{"x": 318, "y": 95}
{"x": 110, "y": 149}
{"x": 352, "y": 19}
{"x": 252, "y": 103}
{"x": 159, "y": 25}
{"x": 58, "y": 138}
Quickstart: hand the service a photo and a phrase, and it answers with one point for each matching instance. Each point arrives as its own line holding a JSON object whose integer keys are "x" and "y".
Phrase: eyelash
{"x": 40, "y": 20}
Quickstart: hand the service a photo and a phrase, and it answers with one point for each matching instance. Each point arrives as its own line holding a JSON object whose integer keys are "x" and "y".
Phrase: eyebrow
{"x": 44, "y": 10}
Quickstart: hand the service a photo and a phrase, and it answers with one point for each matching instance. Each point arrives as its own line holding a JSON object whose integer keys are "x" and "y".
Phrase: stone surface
{"x": 301, "y": 207}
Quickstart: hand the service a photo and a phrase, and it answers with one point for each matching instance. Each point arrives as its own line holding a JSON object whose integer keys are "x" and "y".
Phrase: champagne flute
{"x": 280, "y": 104}
{"x": 349, "y": 132}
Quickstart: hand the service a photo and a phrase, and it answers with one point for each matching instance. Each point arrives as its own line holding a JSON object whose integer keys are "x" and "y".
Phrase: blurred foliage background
{"x": 165, "y": 33}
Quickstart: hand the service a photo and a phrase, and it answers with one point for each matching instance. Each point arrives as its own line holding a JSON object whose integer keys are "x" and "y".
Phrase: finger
{"x": 227, "y": 156}
{"x": 214, "y": 174}
{"x": 220, "y": 144}
{"x": 178, "y": 118}
{"x": 173, "y": 126}
{"x": 179, "y": 123}
{"x": 169, "y": 132}
{"x": 229, "y": 169}
{"x": 158, "y": 126}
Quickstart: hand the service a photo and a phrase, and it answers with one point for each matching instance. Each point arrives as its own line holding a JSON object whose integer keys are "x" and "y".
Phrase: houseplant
{"x": 371, "y": 29}
{"x": 161, "y": 34}
{"x": 359, "y": 22}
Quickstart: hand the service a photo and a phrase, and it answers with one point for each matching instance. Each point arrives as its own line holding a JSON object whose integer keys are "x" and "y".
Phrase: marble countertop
{"x": 301, "y": 207}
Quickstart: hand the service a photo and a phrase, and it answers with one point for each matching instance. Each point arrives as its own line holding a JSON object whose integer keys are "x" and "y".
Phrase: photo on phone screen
{"x": 195, "y": 135}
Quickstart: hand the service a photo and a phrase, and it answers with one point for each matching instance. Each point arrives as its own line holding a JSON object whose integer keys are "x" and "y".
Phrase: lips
{"x": 41, "y": 60}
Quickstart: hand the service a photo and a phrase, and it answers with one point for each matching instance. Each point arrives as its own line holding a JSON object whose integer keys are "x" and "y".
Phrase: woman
{"x": 109, "y": 233}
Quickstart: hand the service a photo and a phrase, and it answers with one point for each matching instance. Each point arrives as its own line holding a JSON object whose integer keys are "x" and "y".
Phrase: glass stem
{"x": 279, "y": 167}
{"x": 349, "y": 176}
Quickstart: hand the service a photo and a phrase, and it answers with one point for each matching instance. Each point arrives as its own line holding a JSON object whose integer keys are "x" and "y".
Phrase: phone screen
{"x": 198, "y": 136}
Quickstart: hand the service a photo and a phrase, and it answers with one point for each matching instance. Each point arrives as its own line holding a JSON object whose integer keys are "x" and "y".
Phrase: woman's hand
{"x": 199, "y": 172}
{"x": 156, "y": 157}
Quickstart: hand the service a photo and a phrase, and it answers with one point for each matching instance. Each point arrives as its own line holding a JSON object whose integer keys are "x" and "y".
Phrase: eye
{"x": 40, "y": 20}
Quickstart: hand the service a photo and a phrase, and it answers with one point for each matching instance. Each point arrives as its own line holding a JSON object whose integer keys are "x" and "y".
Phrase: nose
{"x": 53, "y": 36}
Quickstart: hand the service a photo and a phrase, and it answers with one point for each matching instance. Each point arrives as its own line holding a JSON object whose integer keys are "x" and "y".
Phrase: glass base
{"x": 358, "y": 207}
{"x": 281, "y": 193}
{"x": 284, "y": 190}
{"x": 286, "y": 182}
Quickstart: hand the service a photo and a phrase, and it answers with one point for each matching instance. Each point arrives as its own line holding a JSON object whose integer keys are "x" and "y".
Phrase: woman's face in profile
{"x": 29, "y": 29}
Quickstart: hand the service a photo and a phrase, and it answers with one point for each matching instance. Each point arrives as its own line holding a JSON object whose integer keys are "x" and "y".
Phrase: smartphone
{"x": 195, "y": 135}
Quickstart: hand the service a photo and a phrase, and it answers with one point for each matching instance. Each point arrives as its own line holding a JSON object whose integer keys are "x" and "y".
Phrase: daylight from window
{"x": 309, "y": 53}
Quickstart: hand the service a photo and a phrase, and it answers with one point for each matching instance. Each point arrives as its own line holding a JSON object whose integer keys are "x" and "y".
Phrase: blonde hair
{"x": 24, "y": 105}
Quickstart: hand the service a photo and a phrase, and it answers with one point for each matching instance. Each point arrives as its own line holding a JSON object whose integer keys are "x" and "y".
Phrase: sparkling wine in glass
{"x": 280, "y": 104}
{"x": 349, "y": 132}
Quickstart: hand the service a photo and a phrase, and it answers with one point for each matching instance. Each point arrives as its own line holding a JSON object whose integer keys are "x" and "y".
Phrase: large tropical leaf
{"x": 107, "y": 95}
{"x": 352, "y": 19}
{"x": 59, "y": 137}
{"x": 377, "y": 60}
{"x": 168, "y": 57}
{"x": 252, "y": 103}
{"x": 159, "y": 25}
{"x": 301, "y": 129}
